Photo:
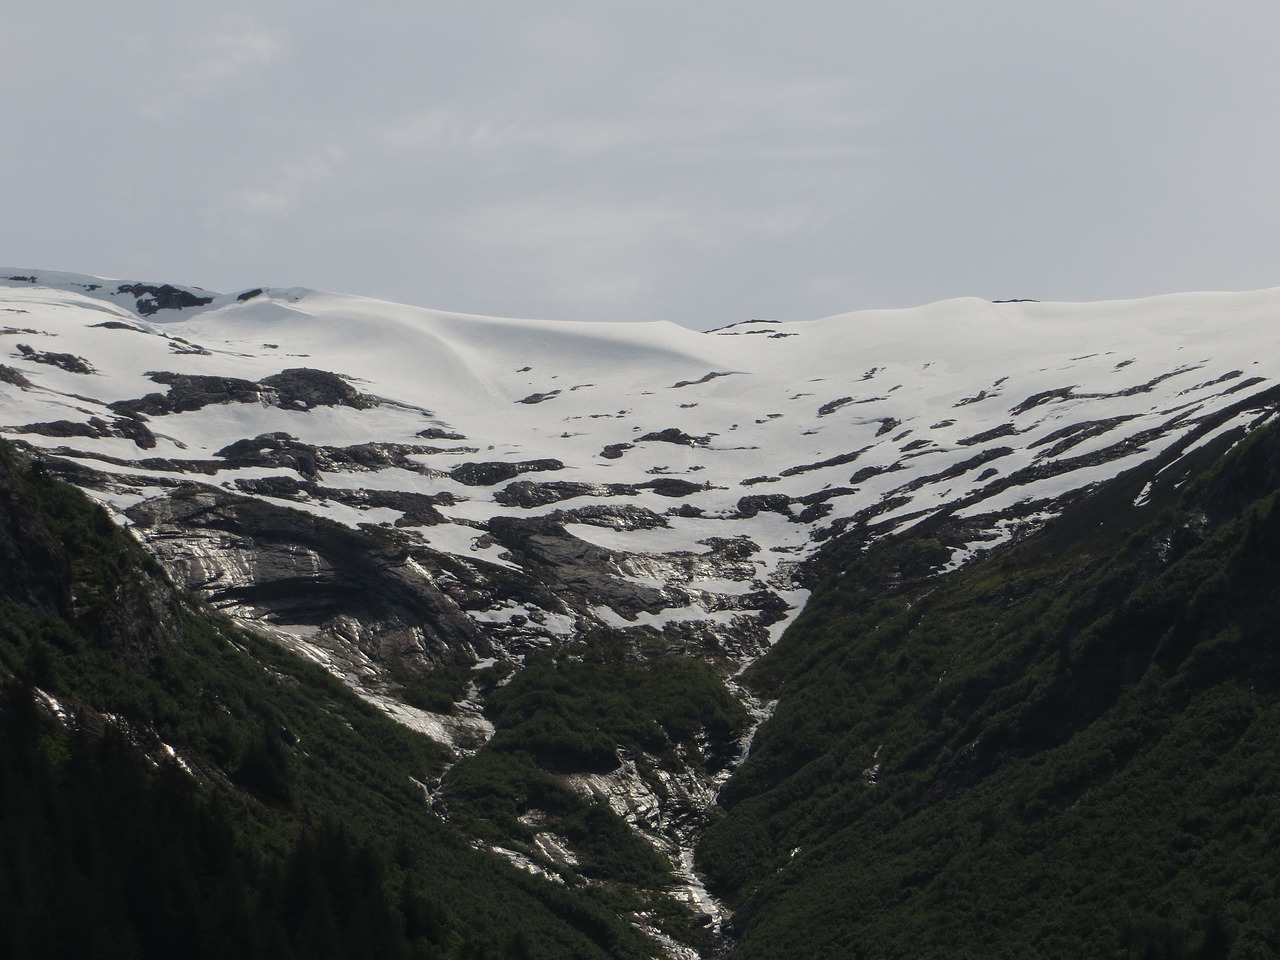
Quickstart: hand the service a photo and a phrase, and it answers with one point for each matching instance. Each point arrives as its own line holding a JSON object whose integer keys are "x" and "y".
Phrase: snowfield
{"x": 658, "y": 446}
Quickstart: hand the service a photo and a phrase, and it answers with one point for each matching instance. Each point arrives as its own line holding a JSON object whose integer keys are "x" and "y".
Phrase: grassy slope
{"x": 1076, "y": 743}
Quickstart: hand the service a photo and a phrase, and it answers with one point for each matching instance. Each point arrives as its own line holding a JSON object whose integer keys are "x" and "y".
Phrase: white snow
{"x": 912, "y": 393}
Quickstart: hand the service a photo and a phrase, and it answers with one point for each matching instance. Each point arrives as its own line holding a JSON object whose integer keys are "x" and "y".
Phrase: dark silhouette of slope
{"x": 1065, "y": 749}
{"x": 170, "y": 786}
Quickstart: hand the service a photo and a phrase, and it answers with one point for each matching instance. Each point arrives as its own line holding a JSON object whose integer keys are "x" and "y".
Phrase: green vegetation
{"x": 576, "y": 712}
{"x": 438, "y": 690}
{"x": 1068, "y": 749}
{"x": 301, "y": 828}
{"x": 573, "y": 710}
{"x": 108, "y": 856}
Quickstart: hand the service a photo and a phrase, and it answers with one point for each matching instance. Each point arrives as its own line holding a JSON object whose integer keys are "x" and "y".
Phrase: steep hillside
{"x": 520, "y": 482}
{"x": 1066, "y": 749}
{"x": 554, "y": 549}
{"x": 170, "y": 785}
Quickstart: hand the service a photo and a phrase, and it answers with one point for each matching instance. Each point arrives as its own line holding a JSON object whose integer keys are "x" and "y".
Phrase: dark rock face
{"x": 829, "y": 408}
{"x": 614, "y": 451}
{"x": 135, "y": 624}
{"x": 253, "y": 556}
{"x": 189, "y": 392}
{"x": 295, "y": 388}
{"x": 494, "y": 472}
{"x": 436, "y": 433}
{"x": 817, "y": 505}
{"x": 1045, "y": 396}
{"x": 835, "y": 461}
{"x": 764, "y": 502}
{"x": 955, "y": 470}
{"x": 672, "y": 487}
{"x": 531, "y": 493}
{"x": 577, "y": 572}
{"x": 283, "y": 450}
{"x": 1067, "y": 437}
{"x": 117, "y": 325}
{"x": 304, "y": 387}
{"x": 866, "y": 473}
{"x": 152, "y": 299}
{"x": 133, "y": 428}
{"x": 618, "y": 516}
{"x": 373, "y": 456}
{"x": 674, "y": 435}
{"x": 12, "y": 376}
{"x": 995, "y": 433}
{"x": 539, "y": 397}
{"x": 68, "y": 428}
{"x": 275, "y": 450}
{"x": 418, "y": 509}
{"x": 64, "y": 361}
{"x": 284, "y": 488}
{"x": 705, "y": 378}
{"x": 95, "y": 428}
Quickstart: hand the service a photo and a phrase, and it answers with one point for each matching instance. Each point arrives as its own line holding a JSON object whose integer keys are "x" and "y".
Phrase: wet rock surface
{"x": 579, "y": 573}
{"x": 257, "y": 560}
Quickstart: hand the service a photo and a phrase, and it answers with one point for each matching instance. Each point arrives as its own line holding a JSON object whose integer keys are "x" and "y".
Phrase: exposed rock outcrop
{"x": 253, "y": 559}
{"x": 63, "y": 361}
{"x": 152, "y": 298}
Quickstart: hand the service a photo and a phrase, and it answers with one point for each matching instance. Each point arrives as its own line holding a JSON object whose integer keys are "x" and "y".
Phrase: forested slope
{"x": 1070, "y": 748}
{"x": 170, "y": 786}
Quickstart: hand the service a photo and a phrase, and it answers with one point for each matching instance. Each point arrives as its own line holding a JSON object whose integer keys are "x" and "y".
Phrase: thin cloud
{"x": 289, "y": 187}
{"x": 217, "y": 65}
{"x": 697, "y": 162}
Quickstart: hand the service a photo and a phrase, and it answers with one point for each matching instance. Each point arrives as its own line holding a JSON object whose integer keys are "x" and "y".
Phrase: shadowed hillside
{"x": 1067, "y": 749}
{"x": 172, "y": 786}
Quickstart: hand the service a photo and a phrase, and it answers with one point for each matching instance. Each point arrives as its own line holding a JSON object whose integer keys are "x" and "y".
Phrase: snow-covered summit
{"x": 642, "y": 474}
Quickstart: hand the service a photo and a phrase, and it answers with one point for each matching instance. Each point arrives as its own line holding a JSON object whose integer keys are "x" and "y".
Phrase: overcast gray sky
{"x": 701, "y": 161}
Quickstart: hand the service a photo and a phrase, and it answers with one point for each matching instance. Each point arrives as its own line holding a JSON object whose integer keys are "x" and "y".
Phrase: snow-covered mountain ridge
{"x": 390, "y": 490}
{"x": 649, "y": 475}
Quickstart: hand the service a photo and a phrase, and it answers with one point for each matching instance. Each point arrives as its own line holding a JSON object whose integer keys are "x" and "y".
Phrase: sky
{"x": 702, "y": 161}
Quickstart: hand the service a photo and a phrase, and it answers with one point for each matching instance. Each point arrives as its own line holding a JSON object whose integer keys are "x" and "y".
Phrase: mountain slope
{"x": 168, "y": 779}
{"x": 553, "y": 548}
{"x": 620, "y": 456}
{"x": 1066, "y": 749}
